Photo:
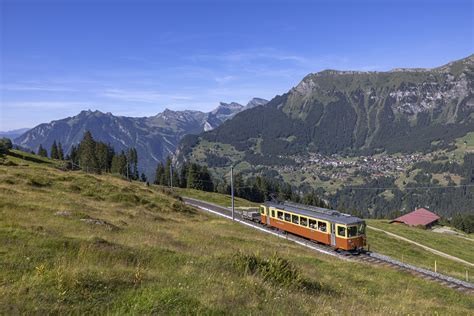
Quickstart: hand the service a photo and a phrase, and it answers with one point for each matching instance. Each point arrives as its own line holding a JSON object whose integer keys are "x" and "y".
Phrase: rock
{"x": 63, "y": 213}
{"x": 100, "y": 222}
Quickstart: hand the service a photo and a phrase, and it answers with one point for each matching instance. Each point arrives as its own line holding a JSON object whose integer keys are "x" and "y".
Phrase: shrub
{"x": 5, "y": 145}
{"x": 274, "y": 270}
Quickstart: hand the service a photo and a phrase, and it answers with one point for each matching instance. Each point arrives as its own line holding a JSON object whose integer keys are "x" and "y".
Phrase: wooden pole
{"x": 435, "y": 267}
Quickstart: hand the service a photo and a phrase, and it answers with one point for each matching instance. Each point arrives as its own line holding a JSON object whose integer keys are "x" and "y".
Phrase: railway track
{"x": 371, "y": 258}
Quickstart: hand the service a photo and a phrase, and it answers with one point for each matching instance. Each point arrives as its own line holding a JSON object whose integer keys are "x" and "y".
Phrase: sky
{"x": 136, "y": 58}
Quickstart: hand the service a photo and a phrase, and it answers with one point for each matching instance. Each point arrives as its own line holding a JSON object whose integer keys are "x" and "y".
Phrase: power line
{"x": 411, "y": 188}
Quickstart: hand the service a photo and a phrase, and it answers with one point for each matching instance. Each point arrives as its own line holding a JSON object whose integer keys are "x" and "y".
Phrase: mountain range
{"x": 154, "y": 137}
{"x": 348, "y": 112}
{"x": 13, "y": 133}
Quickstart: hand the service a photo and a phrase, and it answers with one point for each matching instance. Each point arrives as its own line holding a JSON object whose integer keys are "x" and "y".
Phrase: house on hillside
{"x": 420, "y": 216}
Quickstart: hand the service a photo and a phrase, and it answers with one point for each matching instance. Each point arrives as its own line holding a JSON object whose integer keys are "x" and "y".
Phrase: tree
{"x": 54, "y": 151}
{"x": 60, "y": 152}
{"x": 183, "y": 176}
{"x": 132, "y": 159}
{"x": 42, "y": 152}
{"x": 103, "y": 153}
{"x": 5, "y": 145}
{"x": 87, "y": 155}
{"x": 74, "y": 155}
{"x": 160, "y": 174}
{"x": 143, "y": 177}
{"x": 119, "y": 164}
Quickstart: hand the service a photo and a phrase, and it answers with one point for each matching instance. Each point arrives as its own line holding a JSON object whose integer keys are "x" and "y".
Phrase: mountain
{"x": 402, "y": 110}
{"x": 13, "y": 133}
{"x": 154, "y": 137}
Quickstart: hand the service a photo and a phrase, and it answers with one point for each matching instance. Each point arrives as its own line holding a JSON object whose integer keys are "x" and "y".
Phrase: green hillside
{"x": 388, "y": 245}
{"x": 78, "y": 243}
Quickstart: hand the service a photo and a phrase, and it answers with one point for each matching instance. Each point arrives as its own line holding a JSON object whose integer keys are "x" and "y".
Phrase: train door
{"x": 333, "y": 234}
{"x": 268, "y": 216}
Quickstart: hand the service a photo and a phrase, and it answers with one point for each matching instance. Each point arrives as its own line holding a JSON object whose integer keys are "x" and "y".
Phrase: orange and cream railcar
{"x": 341, "y": 231}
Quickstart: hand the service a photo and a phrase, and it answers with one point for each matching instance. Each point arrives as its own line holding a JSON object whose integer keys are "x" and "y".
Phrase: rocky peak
{"x": 255, "y": 102}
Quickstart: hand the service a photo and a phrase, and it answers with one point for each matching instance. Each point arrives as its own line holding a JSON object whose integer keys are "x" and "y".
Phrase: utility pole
{"x": 232, "y": 188}
{"x": 171, "y": 177}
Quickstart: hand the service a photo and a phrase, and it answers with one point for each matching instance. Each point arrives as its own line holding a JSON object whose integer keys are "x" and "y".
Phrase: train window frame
{"x": 273, "y": 213}
{"x": 315, "y": 226}
{"x": 323, "y": 224}
{"x": 295, "y": 219}
{"x": 352, "y": 227}
{"x": 342, "y": 228}
{"x": 262, "y": 210}
{"x": 282, "y": 217}
{"x": 361, "y": 228}
{"x": 285, "y": 217}
{"x": 305, "y": 219}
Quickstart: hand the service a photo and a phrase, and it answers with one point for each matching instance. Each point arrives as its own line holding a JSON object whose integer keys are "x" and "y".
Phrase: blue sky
{"x": 137, "y": 58}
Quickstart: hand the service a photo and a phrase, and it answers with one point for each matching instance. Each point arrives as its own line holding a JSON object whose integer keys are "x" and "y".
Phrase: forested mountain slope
{"x": 403, "y": 110}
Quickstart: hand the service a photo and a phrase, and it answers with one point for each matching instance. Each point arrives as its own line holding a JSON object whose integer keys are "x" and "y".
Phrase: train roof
{"x": 316, "y": 212}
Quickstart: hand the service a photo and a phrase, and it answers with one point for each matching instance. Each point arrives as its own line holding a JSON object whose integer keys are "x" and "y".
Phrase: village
{"x": 342, "y": 167}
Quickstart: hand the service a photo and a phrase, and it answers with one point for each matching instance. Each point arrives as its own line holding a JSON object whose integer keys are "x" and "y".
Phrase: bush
{"x": 274, "y": 270}
{"x": 464, "y": 222}
{"x": 5, "y": 145}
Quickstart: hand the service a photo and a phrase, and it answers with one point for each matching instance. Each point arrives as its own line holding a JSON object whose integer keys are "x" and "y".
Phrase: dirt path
{"x": 437, "y": 252}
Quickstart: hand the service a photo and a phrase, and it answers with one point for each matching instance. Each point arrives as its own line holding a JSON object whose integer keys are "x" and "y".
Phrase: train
{"x": 338, "y": 230}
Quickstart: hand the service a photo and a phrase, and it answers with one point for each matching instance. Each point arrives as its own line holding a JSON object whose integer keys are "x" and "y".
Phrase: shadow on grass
{"x": 28, "y": 158}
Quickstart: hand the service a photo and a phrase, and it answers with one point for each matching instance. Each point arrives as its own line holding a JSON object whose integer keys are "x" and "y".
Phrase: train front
{"x": 356, "y": 238}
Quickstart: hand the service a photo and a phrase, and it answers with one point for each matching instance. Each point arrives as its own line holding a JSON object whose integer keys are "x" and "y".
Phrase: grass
{"x": 164, "y": 257}
{"x": 216, "y": 198}
{"x": 415, "y": 255}
{"x": 450, "y": 244}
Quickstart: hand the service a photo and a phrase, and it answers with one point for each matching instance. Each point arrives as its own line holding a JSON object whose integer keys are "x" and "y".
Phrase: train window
{"x": 351, "y": 231}
{"x": 303, "y": 221}
{"x": 287, "y": 217}
{"x": 341, "y": 231}
{"x": 361, "y": 228}
{"x": 262, "y": 210}
{"x": 295, "y": 219}
{"x": 273, "y": 213}
{"x": 322, "y": 226}
{"x": 312, "y": 223}
{"x": 280, "y": 215}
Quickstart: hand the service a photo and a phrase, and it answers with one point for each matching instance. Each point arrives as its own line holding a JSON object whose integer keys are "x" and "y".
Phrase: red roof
{"x": 419, "y": 216}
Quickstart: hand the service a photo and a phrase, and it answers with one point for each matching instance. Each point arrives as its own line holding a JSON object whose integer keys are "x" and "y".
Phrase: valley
{"x": 83, "y": 243}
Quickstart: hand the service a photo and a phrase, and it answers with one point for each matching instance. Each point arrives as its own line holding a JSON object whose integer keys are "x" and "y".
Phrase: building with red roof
{"x": 420, "y": 216}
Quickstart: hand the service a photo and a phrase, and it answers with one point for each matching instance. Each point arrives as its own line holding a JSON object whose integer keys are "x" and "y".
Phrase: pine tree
{"x": 87, "y": 156}
{"x": 54, "y": 151}
{"x": 119, "y": 164}
{"x": 160, "y": 174}
{"x": 60, "y": 151}
{"x": 42, "y": 152}
{"x": 167, "y": 176}
{"x": 143, "y": 177}
{"x": 102, "y": 152}
{"x": 133, "y": 156}
{"x": 73, "y": 156}
{"x": 183, "y": 176}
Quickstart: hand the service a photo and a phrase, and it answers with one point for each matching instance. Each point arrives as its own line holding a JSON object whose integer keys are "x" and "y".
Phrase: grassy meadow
{"x": 78, "y": 243}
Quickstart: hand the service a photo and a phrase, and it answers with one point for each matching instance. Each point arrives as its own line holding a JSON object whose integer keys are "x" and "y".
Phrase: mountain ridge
{"x": 332, "y": 112}
{"x": 154, "y": 137}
